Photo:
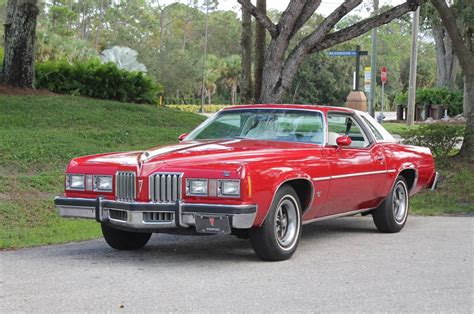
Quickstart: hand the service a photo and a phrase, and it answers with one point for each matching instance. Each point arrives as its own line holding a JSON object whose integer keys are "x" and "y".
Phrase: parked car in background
{"x": 258, "y": 172}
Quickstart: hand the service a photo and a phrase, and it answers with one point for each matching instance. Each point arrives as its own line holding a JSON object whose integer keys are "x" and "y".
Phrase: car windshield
{"x": 263, "y": 124}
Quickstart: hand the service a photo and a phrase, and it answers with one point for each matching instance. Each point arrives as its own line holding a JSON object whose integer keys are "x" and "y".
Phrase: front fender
{"x": 267, "y": 183}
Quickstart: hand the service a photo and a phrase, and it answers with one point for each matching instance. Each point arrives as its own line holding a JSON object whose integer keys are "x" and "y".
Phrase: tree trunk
{"x": 99, "y": 24}
{"x": 467, "y": 149}
{"x": 260, "y": 41}
{"x": 53, "y": 18}
{"x": 20, "y": 37}
{"x": 446, "y": 60}
{"x": 246, "y": 58}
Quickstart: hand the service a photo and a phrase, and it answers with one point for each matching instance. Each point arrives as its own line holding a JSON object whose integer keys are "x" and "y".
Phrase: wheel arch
{"x": 303, "y": 188}
{"x": 411, "y": 177}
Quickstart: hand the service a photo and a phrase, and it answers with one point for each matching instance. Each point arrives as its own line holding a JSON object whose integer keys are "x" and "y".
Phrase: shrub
{"x": 93, "y": 79}
{"x": 440, "y": 138}
{"x": 435, "y": 96}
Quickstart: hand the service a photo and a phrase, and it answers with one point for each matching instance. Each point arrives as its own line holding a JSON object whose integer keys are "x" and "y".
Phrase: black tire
{"x": 273, "y": 241}
{"x": 124, "y": 240}
{"x": 243, "y": 234}
{"x": 390, "y": 217}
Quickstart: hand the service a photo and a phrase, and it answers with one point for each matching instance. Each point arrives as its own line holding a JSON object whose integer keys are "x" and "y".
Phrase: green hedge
{"x": 93, "y": 79}
{"x": 440, "y": 138}
{"x": 435, "y": 96}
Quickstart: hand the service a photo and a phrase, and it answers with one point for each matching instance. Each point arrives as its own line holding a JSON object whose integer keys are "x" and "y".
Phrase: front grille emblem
{"x": 140, "y": 185}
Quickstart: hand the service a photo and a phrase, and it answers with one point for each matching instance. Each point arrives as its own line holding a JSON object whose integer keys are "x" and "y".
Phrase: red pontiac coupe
{"x": 258, "y": 172}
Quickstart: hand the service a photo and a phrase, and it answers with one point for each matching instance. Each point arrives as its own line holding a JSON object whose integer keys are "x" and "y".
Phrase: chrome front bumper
{"x": 152, "y": 216}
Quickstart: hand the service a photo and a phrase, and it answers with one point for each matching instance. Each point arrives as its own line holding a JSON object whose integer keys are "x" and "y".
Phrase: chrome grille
{"x": 158, "y": 217}
{"x": 125, "y": 188}
{"x": 165, "y": 187}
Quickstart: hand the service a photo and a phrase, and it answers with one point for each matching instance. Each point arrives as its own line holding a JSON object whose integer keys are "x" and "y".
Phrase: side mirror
{"x": 343, "y": 141}
{"x": 182, "y": 136}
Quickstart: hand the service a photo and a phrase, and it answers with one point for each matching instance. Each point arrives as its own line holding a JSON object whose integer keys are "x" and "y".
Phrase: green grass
{"x": 398, "y": 128}
{"x": 454, "y": 195}
{"x": 40, "y": 134}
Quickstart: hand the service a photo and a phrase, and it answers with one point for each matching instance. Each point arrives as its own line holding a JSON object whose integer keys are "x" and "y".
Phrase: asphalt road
{"x": 341, "y": 265}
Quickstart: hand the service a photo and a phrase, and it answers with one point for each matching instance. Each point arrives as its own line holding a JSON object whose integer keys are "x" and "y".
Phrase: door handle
{"x": 380, "y": 157}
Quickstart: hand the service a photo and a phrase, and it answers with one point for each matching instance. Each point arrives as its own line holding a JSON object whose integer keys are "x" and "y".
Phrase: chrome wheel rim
{"x": 286, "y": 223}
{"x": 400, "y": 202}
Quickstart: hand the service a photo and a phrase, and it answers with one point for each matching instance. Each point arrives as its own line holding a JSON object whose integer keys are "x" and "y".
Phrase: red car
{"x": 258, "y": 172}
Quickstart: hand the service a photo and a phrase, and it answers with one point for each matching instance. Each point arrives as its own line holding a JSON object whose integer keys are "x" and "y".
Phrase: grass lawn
{"x": 454, "y": 195}
{"x": 40, "y": 134}
{"x": 397, "y": 128}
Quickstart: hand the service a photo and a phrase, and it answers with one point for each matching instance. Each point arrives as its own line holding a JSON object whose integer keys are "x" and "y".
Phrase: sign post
{"x": 351, "y": 53}
{"x": 383, "y": 77}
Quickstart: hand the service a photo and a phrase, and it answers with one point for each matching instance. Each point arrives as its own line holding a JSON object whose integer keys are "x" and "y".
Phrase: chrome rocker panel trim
{"x": 241, "y": 216}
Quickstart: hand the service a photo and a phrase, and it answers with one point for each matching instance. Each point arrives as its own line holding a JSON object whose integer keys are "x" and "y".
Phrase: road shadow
{"x": 164, "y": 249}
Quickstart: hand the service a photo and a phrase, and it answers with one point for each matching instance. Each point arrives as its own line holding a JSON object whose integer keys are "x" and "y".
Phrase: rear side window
{"x": 377, "y": 129}
{"x": 376, "y": 133}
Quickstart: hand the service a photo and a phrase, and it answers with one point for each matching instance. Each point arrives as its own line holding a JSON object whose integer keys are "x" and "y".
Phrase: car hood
{"x": 200, "y": 153}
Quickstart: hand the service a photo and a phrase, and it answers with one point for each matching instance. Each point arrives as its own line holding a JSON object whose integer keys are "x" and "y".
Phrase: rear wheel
{"x": 278, "y": 237}
{"x": 391, "y": 215}
{"x": 124, "y": 240}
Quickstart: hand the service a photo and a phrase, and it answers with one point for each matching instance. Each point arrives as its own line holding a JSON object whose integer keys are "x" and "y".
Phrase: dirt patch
{"x": 18, "y": 91}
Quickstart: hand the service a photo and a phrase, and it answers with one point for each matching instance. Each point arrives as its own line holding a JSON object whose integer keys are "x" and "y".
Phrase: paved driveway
{"x": 341, "y": 265}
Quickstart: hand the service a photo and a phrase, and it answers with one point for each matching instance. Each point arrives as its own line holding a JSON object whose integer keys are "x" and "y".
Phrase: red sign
{"x": 383, "y": 75}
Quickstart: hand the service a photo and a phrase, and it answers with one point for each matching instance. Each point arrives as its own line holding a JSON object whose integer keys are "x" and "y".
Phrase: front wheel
{"x": 278, "y": 237}
{"x": 391, "y": 215}
{"x": 124, "y": 240}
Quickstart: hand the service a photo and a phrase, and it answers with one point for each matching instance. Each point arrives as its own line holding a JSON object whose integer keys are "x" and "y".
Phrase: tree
{"x": 246, "y": 57}
{"x": 446, "y": 60}
{"x": 260, "y": 42}
{"x": 281, "y": 66}
{"x": 462, "y": 42}
{"x": 20, "y": 33}
{"x": 231, "y": 75}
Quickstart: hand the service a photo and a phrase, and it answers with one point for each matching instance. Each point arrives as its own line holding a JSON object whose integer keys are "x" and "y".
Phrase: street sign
{"x": 383, "y": 75}
{"x": 343, "y": 53}
{"x": 347, "y": 53}
{"x": 367, "y": 79}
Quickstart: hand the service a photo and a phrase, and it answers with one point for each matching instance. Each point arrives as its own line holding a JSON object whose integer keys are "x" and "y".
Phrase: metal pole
{"x": 373, "y": 64}
{"x": 383, "y": 101}
{"x": 413, "y": 66}
{"x": 204, "y": 61}
{"x": 357, "y": 78}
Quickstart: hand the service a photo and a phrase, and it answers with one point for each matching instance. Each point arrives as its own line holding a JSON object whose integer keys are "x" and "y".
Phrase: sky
{"x": 326, "y": 7}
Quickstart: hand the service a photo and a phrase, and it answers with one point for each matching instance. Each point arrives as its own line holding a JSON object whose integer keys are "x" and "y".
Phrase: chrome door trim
{"x": 354, "y": 212}
{"x": 341, "y": 176}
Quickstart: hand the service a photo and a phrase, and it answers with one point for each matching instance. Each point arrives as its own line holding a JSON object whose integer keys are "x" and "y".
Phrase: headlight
{"x": 103, "y": 183}
{"x": 75, "y": 182}
{"x": 196, "y": 186}
{"x": 229, "y": 188}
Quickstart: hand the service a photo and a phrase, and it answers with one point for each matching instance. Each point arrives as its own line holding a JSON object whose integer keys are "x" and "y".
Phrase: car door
{"x": 357, "y": 172}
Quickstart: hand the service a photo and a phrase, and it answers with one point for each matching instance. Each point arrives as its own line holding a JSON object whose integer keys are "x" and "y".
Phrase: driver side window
{"x": 340, "y": 124}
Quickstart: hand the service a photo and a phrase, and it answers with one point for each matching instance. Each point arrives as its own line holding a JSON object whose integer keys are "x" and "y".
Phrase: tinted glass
{"x": 263, "y": 124}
